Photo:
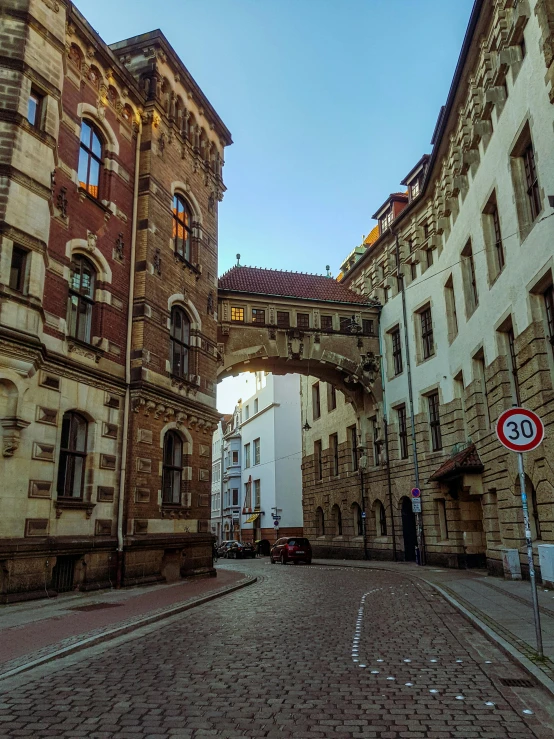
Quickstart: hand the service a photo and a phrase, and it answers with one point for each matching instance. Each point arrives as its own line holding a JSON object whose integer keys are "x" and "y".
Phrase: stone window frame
{"x": 425, "y": 340}
{"x": 380, "y": 515}
{"x": 188, "y": 448}
{"x": 451, "y": 311}
{"x": 492, "y": 232}
{"x": 336, "y": 516}
{"x": 469, "y": 279}
{"x": 90, "y": 466}
{"x": 523, "y": 141}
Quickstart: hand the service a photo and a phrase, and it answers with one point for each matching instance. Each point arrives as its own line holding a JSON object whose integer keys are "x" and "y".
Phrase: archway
{"x": 408, "y": 530}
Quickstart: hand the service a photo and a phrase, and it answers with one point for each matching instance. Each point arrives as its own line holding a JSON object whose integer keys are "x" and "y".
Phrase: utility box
{"x": 546, "y": 563}
{"x": 511, "y": 564}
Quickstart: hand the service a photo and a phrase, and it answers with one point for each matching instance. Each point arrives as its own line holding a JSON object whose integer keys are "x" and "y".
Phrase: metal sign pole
{"x": 536, "y": 612}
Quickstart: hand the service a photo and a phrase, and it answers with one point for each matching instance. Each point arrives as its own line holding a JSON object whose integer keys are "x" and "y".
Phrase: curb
{"x": 500, "y": 642}
{"x": 121, "y": 630}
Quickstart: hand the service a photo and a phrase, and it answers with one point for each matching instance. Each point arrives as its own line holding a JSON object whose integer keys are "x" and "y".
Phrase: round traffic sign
{"x": 276, "y": 523}
{"x": 519, "y": 430}
{"x": 416, "y": 492}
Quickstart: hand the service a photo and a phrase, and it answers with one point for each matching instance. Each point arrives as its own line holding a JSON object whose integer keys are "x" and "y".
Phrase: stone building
{"x": 463, "y": 266}
{"x": 111, "y": 174}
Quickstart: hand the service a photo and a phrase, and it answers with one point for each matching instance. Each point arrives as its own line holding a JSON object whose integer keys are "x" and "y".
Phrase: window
{"x": 548, "y": 296}
{"x": 316, "y": 401}
{"x": 246, "y": 412}
{"x": 451, "y": 314}
{"x": 358, "y": 520}
{"x": 427, "y": 333}
{"x": 352, "y": 432}
{"x": 443, "y": 521}
{"x": 18, "y": 269}
{"x": 235, "y": 497}
{"x": 337, "y": 520}
{"x": 429, "y": 258}
{"x": 434, "y": 421}
{"x": 470, "y": 282}
{"x": 498, "y": 245}
{"x": 283, "y": 319}
{"x": 396, "y": 351}
{"x": 413, "y": 270}
{"x": 346, "y": 324}
{"x": 90, "y": 159}
{"x": 257, "y": 495}
{"x": 326, "y": 323}
{"x": 532, "y": 181}
{"x": 513, "y": 363}
{"x": 256, "y": 445}
{"x": 182, "y": 228}
{"x": 414, "y": 189}
{"x": 81, "y": 299}
{"x": 235, "y": 457}
{"x": 34, "y": 109}
{"x": 376, "y": 442}
{"x": 258, "y": 316}
{"x": 479, "y": 375}
{"x": 367, "y": 327}
{"x": 402, "y": 431}
{"x": 303, "y": 320}
{"x": 246, "y": 456}
{"x": 334, "y": 447}
{"x": 318, "y": 458}
{"x": 73, "y": 456}
{"x": 180, "y": 342}
{"x": 237, "y": 314}
{"x": 319, "y": 522}
{"x": 256, "y": 406}
{"x": 331, "y": 397}
{"x": 172, "y": 468}
{"x": 380, "y": 518}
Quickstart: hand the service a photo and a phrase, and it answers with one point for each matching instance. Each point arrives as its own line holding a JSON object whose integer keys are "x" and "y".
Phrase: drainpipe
{"x": 385, "y": 423}
{"x": 419, "y": 517}
{"x": 127, "y": 402}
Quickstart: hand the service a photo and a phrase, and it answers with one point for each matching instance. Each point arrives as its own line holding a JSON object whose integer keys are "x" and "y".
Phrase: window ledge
{"x": 75, "y": 504}
{"x": 193, "y": 267}
{"x": 89, "y": 351}
{"x": 84, "y": 194}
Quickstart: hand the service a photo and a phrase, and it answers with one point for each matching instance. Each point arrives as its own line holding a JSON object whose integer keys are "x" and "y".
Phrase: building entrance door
{"x": 409, "y": 530}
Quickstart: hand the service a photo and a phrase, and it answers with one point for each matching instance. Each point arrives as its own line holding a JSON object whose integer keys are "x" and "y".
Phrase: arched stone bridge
{"x": 291, "y": 322}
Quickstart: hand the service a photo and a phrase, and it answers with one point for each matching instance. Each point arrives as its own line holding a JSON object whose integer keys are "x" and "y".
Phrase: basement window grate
{"x": 516, "y": 682}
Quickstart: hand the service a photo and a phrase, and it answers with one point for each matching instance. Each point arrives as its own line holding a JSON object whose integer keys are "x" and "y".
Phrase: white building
{"x": 217, "y": 479}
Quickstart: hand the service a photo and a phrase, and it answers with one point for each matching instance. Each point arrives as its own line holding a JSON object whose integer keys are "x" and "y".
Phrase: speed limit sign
{"x": 519, "y": 430}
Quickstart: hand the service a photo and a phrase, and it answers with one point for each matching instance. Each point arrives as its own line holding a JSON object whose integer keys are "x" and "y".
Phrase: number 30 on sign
{"x": 519, "y": 430}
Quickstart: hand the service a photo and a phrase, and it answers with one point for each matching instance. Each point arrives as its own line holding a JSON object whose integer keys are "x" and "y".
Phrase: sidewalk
{"x": 32, "y": 633}
{"x": 501, "y": 608}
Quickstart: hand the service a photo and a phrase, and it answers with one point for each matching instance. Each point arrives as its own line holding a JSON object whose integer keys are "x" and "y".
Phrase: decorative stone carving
{"x": 91, "y": 241}
{"x": 157, "y": 262}
{"x": 119, "y": 246}
{"x": 11, "y": 435}
{"x": 53, "y": 5}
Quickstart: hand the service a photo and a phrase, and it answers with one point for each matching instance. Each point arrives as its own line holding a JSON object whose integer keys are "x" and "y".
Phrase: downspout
{"x": 127, "y": 403}
{"x": 419, "y": 517}
{"x": 385, "y": 423}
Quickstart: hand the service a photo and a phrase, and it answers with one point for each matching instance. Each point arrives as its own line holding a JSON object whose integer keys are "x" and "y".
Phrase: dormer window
{"x": 386, "y": 220}
{"x": 415, "y": 189}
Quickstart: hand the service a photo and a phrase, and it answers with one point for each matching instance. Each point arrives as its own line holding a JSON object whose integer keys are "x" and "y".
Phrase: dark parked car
{"x": 236, "y": 550}
{"x": 291, "y": 549}
{"x": 223, "y": 548}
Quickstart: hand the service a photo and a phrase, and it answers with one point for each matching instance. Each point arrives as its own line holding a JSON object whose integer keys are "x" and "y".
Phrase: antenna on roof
{"x": 328, "y": 268}
{"x": 238, "y": 260}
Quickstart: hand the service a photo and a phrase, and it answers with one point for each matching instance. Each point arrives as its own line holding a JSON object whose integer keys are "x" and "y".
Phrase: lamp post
{"x": 362, "y": 464}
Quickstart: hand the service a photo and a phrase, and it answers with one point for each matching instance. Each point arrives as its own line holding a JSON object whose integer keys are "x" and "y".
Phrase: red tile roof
{"x": 466, "y": 461}
{"x": 287, "y": 284}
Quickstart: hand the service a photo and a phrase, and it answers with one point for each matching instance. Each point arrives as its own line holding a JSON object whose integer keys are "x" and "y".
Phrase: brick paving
{"x": 277, "y": 660}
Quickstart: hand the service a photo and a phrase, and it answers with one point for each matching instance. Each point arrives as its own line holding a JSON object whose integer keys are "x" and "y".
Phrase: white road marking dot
{"x": 528, "y": 712}
{"x": 374, "y": 672}
{"x": 355, "y": 660}
{"x": 409, "y": 685}
{"x": 391, "y": 678}
{"x": 490, "y": 703}
{"x": 380, "y": 660}
{"x": 362, "y": 665}
{"x": 488, "y": 662}
{"x": 433, "y": 660}
{"x": 459, "y": 660}
{"x": 407, "y": 660}
{"x": 433, "y": 691}
{"x": 460, "y": 698}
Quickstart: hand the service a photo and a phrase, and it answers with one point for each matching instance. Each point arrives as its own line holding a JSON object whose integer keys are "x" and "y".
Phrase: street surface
{"x": 305, "y": 652}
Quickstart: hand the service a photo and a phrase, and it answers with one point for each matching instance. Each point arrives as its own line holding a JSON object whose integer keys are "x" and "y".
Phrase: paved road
{"x": 307, "y": 652}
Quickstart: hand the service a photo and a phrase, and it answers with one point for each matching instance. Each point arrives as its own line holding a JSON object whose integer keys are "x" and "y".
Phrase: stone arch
{"x": 190, "y": 308}
{"x": 183, "y": 432}
{"x": 165, "y": 94}
{"x": 357, "y": 519}
{"x": 75, "y": 55}
{"x": 319, "y": 521}
{"x": 181, "y": 188}
{"x": 85, "y": 110}
{"x": 89, "y": 250}
{"x": 94, "y": 76}
{"x": 112, "y": 95}
{"x": 380, "y": 517}
{"x": 336, "y": 517}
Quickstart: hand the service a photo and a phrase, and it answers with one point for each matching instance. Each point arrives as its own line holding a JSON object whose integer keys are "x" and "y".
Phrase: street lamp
{"x": 362, "y": 465}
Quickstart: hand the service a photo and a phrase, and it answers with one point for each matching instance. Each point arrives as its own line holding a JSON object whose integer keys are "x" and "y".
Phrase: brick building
{"x": 110, "y": 177}
{"x": 462, "y": 265}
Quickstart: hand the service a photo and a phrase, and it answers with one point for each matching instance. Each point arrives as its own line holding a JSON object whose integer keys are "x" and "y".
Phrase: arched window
{"x": 358, "y": 520}
{"x": 81, "y": 299}
{"x": 73, "y": 456}
{"x": 380, "y": 519}
{"x": 172, "y": 468}
{"x": 182, "y": 227}
{"x": 180, "y": 342}
{"x": 320, "y": 522}
{"x": 90, "y": 159}
{"x": 337, "y": 519}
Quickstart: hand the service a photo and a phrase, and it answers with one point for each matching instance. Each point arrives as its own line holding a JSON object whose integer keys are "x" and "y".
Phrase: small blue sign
{"x": 364, "y": 514}
{"x": 416, "y": 492}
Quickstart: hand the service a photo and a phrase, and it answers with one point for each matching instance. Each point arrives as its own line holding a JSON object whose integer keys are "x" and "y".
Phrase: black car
{"x": 236, "y": 550}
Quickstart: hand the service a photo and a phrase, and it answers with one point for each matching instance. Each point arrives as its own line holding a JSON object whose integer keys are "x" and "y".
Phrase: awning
{"x": 465, "y": 462}
{"x": 253, "y": 517}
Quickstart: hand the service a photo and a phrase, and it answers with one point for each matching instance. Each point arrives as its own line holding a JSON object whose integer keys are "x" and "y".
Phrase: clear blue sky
{"x": 330, "y": 103}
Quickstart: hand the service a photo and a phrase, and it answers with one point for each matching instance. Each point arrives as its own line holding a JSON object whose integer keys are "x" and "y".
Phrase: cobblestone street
{"x": 305, "y": 652}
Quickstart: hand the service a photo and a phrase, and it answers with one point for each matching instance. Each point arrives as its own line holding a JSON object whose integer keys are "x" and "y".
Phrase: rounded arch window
{"x": 81, "y": 299}
{"x": 380, "y": 519}
{"x": 73, "y": 456}
{"x": 320, "y": 522}
{"x": 337, "y": 519}
{"x": 182, "y": 227}
{"x": 180, "y": 342}
{"x": 90, "y": 158}
{"x": 358, "y": 520}
{"x": 172, "y": 468}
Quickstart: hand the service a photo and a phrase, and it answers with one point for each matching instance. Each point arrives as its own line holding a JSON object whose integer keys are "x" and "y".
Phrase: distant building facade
{"x": 111, "y": 161}
{"x": 232, "y": 475}
{"x": 468, "y": 249}
{"x": 217, "y": 480}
